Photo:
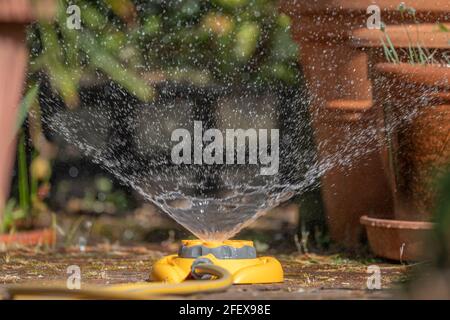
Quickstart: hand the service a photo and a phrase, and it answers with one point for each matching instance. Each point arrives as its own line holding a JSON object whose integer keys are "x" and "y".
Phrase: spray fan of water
{"x": 132, "y": 140}
{"x": 219, "y": 41}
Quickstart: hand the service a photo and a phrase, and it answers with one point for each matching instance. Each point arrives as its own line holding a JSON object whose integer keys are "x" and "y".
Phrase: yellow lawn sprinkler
{"x": 238, "y": 257}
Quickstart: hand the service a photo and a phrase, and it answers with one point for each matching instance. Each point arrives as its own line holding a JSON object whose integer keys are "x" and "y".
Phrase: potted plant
{"x": 411, "y": 90}
{"x": 337, "y": 78}
{"x": 415, "y": 101}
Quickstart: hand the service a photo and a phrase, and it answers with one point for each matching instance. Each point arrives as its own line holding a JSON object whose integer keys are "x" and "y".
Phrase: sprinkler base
{"x": 236, "y": 256}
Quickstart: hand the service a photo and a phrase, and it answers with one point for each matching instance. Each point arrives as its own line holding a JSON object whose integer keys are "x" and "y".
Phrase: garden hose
{"x": 221, "y": 280}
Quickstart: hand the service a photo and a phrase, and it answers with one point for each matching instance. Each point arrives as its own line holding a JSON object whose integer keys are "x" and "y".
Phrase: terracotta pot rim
{"x": 361, "y": 5}
{"x": 432, "y": 75}
{"x": 26, "y": 11}
{"x": 406, "y": 68}
{"x": 30, "y": 237}
{"x": 402, "y": 35}
{"x": 396, "y": 224}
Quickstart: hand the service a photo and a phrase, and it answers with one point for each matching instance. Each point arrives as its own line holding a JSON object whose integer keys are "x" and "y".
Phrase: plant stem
{"x": 24, "y": 193}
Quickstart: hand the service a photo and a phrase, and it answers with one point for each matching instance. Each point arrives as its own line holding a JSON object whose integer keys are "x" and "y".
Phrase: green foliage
{"x": 232, "y": 41}
{"x": 25, "y": 201}
{"x": 13, "y": 211}
{"x": 129, "y": 41}
{"x": 69, "y": 55}
{"x": 10, "y": 215}
{"x": 442, "y": 223}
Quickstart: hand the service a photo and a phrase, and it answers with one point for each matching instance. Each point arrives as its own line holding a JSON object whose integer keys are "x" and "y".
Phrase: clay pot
{"x": 14, "y": 16}
{"x": 397, "y": 240}
{"x": 416, "y": 103}
{"x": 30, "y": 238}
{"x": 403, "y": 98}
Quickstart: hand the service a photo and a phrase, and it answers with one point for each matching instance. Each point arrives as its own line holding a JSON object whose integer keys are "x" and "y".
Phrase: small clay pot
{"x": 396, "y": 239}
{"x": 416, "y": 104}
{"x": 30, "y": 238}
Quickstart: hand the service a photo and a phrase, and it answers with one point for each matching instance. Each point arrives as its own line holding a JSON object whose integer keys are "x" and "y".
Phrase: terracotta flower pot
{"x": 14, "y": 16}
{"x": 396, "y": 239}
{"x": 30, "y": 238}
{"x": 416, "y": 103}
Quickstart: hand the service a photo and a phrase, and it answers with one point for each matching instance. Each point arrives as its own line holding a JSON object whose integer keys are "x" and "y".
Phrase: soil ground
{"x": 310, "y": 276}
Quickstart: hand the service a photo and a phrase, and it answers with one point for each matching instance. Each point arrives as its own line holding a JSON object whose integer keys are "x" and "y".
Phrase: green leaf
{"x": 246, "y": 41}
{"x": 8, "y": 215}
{"x": 387, "y": 52}
{"x": 231, "y": 4}
{"x": 103, "y": 60}
{"x": 62, "y": 79}
{"x": 392, "y": 48}
{"x": 423, "y": 58}
{"x": 24, "y": 194}
{"x": 442, "y": 27}
{"x": 26, "y": 104}
{"x": 92, "y": 18}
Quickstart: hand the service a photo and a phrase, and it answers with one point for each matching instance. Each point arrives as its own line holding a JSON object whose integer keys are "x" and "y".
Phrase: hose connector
{"x": 195, "y": 264}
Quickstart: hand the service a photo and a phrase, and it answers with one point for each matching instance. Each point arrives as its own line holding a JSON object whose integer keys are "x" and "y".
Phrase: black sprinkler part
{"x": 221, "y": 252}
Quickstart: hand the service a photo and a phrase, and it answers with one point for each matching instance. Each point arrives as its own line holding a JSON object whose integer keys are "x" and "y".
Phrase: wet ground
{"x": 306, "y": 276}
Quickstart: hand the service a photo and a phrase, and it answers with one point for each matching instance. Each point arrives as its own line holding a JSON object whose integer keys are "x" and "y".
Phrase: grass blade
{"x": 392, "y": 48}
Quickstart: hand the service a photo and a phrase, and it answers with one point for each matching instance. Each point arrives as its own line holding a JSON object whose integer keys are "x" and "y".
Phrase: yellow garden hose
{"x": 221, "y": 280}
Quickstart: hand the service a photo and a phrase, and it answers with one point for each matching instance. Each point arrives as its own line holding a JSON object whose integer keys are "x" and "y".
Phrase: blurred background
{"x": 125, "y": 53}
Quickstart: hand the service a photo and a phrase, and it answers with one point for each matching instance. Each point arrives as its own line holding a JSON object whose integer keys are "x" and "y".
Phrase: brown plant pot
{"x": 30, "y": 238}
{"x": 416, "y": 103}
{"x": 396, "y": 239}
{"x": 14, "y": 16}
